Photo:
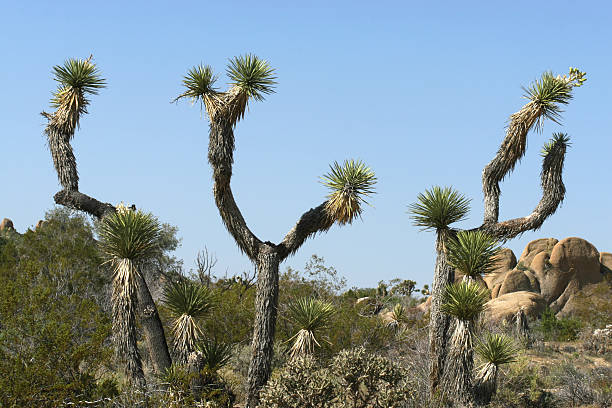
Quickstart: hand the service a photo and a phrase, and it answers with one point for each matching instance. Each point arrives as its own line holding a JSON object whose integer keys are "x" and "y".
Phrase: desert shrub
{"x": 355, "y": 378}
{"x": 553, "y": 329}
{"x": 576, "y": 388}
{"x": 522, "y": 385}
{"x": 53, "y": 330}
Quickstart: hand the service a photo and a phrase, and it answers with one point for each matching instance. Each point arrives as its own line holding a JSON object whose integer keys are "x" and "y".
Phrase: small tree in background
{"x": 252, "y": 78}
{"x": 545, "y": 97}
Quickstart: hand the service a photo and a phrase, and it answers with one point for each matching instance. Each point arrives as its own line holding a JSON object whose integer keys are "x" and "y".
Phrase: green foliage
{"x": 558, "y": 139}
{"x": 438, "y": 208}
{"x": 186, "y": 297}
{"x": 251, "y": 75}
{"x": 464, "y": 300}
{"x": 472, "y": 252}
{"x": 215, "y": 354}
{"x": 349, "y": 183}
{"x": 53, "y": 330}
{"x": 551, "y": 91}
{"x": 129, "y": 234}
{"x": 311, "y": 316}
{"x": 497, "y": 349}
{"x": 79, "y": 74}
{"x": 524, "y": 386}
{"x": 199, "y": 82}
{"x": 551, "y": 328}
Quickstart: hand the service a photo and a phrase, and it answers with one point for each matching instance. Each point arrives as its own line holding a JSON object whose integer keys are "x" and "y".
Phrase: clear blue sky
{"x": 420, "y": 92}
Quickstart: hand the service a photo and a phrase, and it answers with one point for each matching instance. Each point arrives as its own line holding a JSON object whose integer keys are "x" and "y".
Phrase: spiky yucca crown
{"x": 497, "y": 349}
{"x": 464, "y": 300}
{"x": 128, "y": 234}
{"x": 550, "y": 91}
{"x": 472, "y": 252}
{"x": 349, "y": 183}
{"x": 310, "y": 314}
{"x": 215, "y": 353}
{"x": 250, "y": 78}
{"x": 76, "y": 79}
{"x": 438, "y": 207}
{"x": 188, "y": 298}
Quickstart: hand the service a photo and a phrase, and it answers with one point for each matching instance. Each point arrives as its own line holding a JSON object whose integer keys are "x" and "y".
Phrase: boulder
{"x": 534, "y": 248}
{"x": 424, "y": 307}
{"x": 6, "y": 224}
{"x": 605, "y": 260}
{"x": 517, "y": 280}
{"x": 39, "y": 224}
{"x": 505, "y": 261}
{"x": 505, "y": 307}
{"x": 591, "y": 303}
{"x": 572, "y": 264}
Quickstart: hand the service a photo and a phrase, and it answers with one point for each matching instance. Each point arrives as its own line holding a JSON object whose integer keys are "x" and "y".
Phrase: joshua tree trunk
{"x": 439, "y": 323}
{"x": 266, "y": 303}
{"x": 153, "y": 329}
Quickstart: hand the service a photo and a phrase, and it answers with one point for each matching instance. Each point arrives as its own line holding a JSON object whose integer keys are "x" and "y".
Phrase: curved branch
{"x": 221, "y": 158}
{"x": 510, "y": 152}
{"x": 312, "y": 221}
{"x": 553, "y": 193}
{"x": 58, "y": 139}
{"x": 82, "y": 202}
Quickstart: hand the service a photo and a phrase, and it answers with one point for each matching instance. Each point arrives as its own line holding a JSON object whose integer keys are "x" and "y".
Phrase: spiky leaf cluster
{"x": 252, "y": 75}
{"x": 310, "y": 316}
{"x": 129, "y": 234}
{"x": 558, "y": 140}
{"x": 186, "y": 297}
{"x": 349, "y": 183}
{"x": 215, "y": 354}
{"x": 497, "y": 349}
{"x": 464, "y": 300}
{"x": 397, "y": 317}
{"x": 199, "y": 83}
{"x": 76, "y": 78}
{"x": 472, "y": 252}
{"x": 549, "y": 92}
{"x": 438, "y": 208}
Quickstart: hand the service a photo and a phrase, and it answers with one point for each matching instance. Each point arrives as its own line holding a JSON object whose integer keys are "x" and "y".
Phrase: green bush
{"x": 551, "y": 328}
{"x": 53, "y": 330}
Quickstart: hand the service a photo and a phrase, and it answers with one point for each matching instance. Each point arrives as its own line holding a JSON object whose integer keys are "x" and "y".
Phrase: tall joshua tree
{"x": 77, "y": 79}
{"x": 545, "y": 97}
{"x": 251, "y": 78}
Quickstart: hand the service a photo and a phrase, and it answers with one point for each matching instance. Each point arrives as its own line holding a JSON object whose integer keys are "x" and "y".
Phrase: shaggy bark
{"x": 152, "y": 326}
{"x": 439, "y": 323}
{"x": 266, "y": 304}
{"x": 81, "y": 202}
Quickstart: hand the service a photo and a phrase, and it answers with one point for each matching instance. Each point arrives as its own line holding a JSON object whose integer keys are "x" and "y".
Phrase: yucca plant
{"x": 127, "y": 239}
{"x": 397, "y": 317}
{"x": 77, "y": 79}
{"x": 464, "y": 301}
{"x": 252, "y": 78}
{"x": 495, "y": 350}
{"x": 186, "y": 301}
{"x": 349, "y": 183}
{"x": 472, "y": 253}
{"x": 436, "y": 209}
{"x": 215, "y": 354}
{"x": 310, "y": 316}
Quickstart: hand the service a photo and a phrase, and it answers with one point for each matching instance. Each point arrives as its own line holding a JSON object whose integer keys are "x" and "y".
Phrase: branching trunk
{"x": 266, "y": 304}
{"x": 439, "y": 323}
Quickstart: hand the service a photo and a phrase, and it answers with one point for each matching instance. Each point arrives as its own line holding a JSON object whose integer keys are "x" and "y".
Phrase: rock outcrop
{"x": 6, "y": 224}
{"x": 505, "y": 307}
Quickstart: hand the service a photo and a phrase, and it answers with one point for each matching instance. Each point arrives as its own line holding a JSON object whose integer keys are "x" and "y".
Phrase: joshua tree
{"x": 545, "y": 97}
{"x": 127, "y": 238}
{"x": 495, "y": 350}
{"x": 397, "y": 317}
{"x": 77, "y": 79}
{"x": 522, "y": 326}
{"x": 311, "y": 316}
{"x": 251, "y": 79}
{"x": 186, "y": 301}
{"x": 437, "y": 209}
{"x": 464, "y": 301}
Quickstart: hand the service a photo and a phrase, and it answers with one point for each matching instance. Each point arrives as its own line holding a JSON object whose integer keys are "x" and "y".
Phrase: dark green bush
{"x": 553, "y": 329}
